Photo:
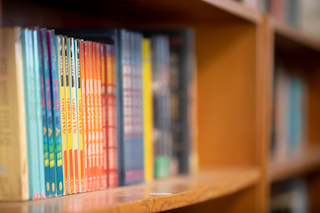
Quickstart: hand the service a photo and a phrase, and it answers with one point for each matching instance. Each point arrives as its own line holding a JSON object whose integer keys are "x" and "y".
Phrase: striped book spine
{"x": 80, "y": 114}
{"x": 69, "y": 120}
{"x": 50, "y": 184}
{"x": 74, "y": 113}
{"x": 112, "y": 146}
{"x": 83, "y": 57}
{"x": 37, "y": 85}
{"x": 62, "y": 77}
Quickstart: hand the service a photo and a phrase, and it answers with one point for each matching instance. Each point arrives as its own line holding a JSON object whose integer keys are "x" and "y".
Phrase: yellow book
{"x": 74, "y": 113}
{"x": 80, "y": 113}
{"x": 147, "y": 108}
{"x": 68, "y": 112}
{"x": 14, "y": 183}
{"x": 62, "y": 85}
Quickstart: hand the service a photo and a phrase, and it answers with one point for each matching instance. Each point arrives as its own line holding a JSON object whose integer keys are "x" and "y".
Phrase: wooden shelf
{"x": 292, "y": 36}
{"x": 308, "y": 161}
{"x": 160, "y": 195}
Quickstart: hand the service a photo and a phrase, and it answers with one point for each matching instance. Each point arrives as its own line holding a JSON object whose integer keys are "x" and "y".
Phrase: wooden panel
{"x": 313, "y": 192}
{"x": 308, "y": 161}
{"x": 126, "y": 13}
{"x": 226, "y": 58}
{"x": 243, "y": 201}
{"x": 156, "y": 196}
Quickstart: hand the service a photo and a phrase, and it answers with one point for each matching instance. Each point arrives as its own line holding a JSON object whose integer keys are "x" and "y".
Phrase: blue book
{"x": 30, "y": 101}
{"x": 50, "y": 180}
{"x": 55, "y": 95}
{"x": 44, "y": 117}
{"x": 38, "y": 107}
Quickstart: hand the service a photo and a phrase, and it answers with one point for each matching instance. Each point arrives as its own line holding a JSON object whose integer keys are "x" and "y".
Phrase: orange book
{"x": 93, "y": 85}
{"x": 81, "y": 116}
{"x": 99, "y": 72}
{"x": 89, "y": 89}
{"x": 104, "y": 118}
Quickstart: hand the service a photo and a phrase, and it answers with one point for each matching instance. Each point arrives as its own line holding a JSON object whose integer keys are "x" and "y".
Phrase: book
{"x": 30, "y": 101}
{"x": 69, "y": 118}
{"x": 80, "y": 115}
{"x": 74, "y": 113}
{"x": 42, "y": 139}
{"x": 83, "y": 67}
{"x": 62, "y": 84}
{"x": 50, "y": 180}
{"x": 112, "y": 150}
{"x": 54, "y": 76}
{"x": 13, "y": 126}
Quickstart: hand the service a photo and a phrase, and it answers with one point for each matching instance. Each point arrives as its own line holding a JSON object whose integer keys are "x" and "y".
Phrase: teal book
{"x": 55, "y": 95}
{"x": 28, "y": 74}
{"x": 38, "y": 107}
{"x": 50, "y": 176}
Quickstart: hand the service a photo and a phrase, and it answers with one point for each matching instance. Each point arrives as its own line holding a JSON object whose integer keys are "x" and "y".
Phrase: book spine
{"x": 83, "y": 57}
{"x": 69, "y": 119}
{"x": 38, "y": 69}
{"x": 89, "y": 90}
{"x": 63, "y": 109}
{"x": 104, "y": 115}
{"x": 44, "y": 117}
{"x": 147, "y": 109}
{"x": 74, "y": 117}
{"x": 112, "y": 149}
{"x": 61, "y": 79}
{"x": 93, "y": 118}
{"x": 99, "y": 73}
{"x": 13, "y": 153}
{"x": 88, "y": 124}
{"x": 50, "y": 187}
{"x": 80, "y": 115}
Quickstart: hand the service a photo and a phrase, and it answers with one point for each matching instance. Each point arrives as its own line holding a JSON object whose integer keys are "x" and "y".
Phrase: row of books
{"x": 289, "y": 196}
{"x": 83, "y": 110}
{"x": 289, "y": 123}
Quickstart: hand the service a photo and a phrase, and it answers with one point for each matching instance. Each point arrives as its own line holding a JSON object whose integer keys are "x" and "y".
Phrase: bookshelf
{"x": 235, "y": 50}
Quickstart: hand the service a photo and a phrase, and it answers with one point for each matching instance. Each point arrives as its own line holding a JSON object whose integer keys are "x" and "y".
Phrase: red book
{"x": 104, "y": 76}
{"x": 112, "y": 144}
{"x": 94, "y": 117}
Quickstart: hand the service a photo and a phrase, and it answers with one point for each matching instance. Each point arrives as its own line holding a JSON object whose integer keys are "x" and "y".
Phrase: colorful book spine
{"x": 89, "y": 91}
{"x": 69, "y": 119}
{"x": 83, "y": 58}
{"x": 37, "y": 85}
{"x": 62, "y": 82}
{"x": 50, "y": 181}
{"x": 80, "y": 114}
{"x": 104, "y": 115}
{"x": 44, "y": 117}
{"x": 13, "y": 124}
{"x": 101, "y": 157}
{"x": 74, "y": 113}
{"x": 147, "y": 107}
{"x": 112, "y": 144}
{"x": 94, "y": 118}
{"x": 54, "y": 76}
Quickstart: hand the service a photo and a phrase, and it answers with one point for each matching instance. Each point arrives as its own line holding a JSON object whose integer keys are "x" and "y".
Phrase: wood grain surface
{"x": 156, "y": 196}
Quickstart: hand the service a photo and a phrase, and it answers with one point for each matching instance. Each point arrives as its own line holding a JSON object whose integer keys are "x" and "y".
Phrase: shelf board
{"x": 237, "y": 9}
{"x": 308, "y": 161}
{"x": 156, "y": 196}
{"x": 294, "y": 36}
